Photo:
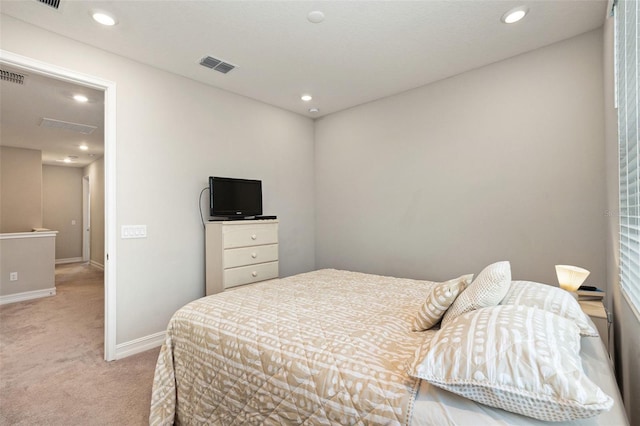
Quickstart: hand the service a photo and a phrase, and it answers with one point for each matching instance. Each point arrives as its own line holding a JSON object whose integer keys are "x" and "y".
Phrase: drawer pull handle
{"x": 254, "y": 237}
{"x": 254, "y": 274}
{"x": 254, "y": 255}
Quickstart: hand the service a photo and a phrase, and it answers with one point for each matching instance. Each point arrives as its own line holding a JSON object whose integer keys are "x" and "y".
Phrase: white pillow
{"x": 549, "y": 298}
{"x": 488, "y": 289}
{"x": 438, "y": 301}
{"x": 517, "y": 358}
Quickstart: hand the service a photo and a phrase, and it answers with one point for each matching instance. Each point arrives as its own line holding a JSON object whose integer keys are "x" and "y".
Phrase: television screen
{"x": 231, "y": 197}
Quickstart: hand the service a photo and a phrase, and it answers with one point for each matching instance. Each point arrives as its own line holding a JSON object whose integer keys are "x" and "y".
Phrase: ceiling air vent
{"x": 11, "y": 77}
{"x": 216, "y": 64}
{"x": 51, "y": 3}
{"x": 74, "y": 127}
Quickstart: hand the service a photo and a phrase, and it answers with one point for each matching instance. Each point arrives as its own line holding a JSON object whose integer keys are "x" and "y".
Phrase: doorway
{"x": 109, "y": 88}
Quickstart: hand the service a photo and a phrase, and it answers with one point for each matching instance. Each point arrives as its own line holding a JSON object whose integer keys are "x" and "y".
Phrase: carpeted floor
{"x": 52, "y": 370}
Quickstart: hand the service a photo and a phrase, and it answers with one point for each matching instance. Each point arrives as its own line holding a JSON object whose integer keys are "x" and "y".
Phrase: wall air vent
{"x": 12, "y": 77}
{"x": 74, "y": 127}
{"x": 216, "y": 64}
{"x": 51, "y": 3}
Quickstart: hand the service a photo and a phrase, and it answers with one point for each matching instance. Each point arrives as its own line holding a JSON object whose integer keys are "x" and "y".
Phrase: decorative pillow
{"x": 549, "y": 298}
{"x": 488, "y": 289}
{"x": 517, "y": 358}
{"x": 438, "y": 301}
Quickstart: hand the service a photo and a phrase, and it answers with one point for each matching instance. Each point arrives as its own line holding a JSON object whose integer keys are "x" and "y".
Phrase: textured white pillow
{"x": 549, "y": 298}
{"x": 517, "y": 358}
{"x": 488, "y": 289}
{"x": 438, "y": 301}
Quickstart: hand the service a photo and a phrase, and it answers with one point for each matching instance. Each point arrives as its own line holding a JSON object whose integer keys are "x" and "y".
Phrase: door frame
{"x": 86, "y": 219}
{"x": 109, "y": 87}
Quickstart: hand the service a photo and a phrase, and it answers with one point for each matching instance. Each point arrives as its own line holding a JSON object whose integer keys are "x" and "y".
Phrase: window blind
{"x": 627, "y": 55}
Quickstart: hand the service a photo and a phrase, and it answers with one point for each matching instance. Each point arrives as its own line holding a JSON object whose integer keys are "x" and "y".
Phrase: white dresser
{"x": 240, "y": 252}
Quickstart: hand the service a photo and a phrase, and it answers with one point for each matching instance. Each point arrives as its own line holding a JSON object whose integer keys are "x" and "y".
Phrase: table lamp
{"x": 571, "y": 277}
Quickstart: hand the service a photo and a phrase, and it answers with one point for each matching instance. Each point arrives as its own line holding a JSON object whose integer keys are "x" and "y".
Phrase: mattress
{"x": 325, "y": 347}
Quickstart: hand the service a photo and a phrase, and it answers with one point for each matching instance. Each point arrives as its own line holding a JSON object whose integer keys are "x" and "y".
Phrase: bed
{"x": 333, "y": 347}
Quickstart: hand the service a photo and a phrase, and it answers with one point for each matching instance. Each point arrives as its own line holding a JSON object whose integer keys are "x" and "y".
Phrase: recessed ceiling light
{"x": 103, "y": 18}
{"x": 84, "y": 147}
{"x": 313, "y": 110}
{"x": 306, "y": 98}
{"x": 80, "y": 98}
{"x": 67, "y": 160}
{"x": 514, "y": 15}
{"x": 315, "y": 17}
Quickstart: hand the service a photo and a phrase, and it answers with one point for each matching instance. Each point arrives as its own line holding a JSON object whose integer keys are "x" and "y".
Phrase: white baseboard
{"x": 69, "y": 260}
{"x": 142, "y": 344}
{"x": 96, "y": 264}
{"x": 27, "y": 295}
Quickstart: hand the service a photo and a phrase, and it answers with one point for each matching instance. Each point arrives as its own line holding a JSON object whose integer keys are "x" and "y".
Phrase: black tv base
{"x": 222, "y": 219}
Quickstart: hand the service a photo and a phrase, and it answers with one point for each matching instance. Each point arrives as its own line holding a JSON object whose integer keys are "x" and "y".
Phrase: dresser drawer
{"x": 250, "y": 235}
{"x": 250, "y": 255}
{"x": 250, "y": 274}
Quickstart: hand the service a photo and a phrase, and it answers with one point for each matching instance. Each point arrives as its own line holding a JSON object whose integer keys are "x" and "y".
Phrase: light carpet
{"x": 52, "y": 370}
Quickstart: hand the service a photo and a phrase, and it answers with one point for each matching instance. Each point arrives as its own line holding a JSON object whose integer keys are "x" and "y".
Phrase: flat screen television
{"x": 235, "y": 198}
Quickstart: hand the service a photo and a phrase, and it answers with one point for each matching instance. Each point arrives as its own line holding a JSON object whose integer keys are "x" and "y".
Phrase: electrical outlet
{"x": 13, "y": 276}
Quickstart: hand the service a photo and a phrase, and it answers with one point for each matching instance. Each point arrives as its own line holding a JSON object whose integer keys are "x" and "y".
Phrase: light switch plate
{"x": 134, "y": 231}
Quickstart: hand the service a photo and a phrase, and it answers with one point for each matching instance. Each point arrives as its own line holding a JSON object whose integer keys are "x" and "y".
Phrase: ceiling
{"x": 362, "y": 51}
{"x": 22, "y": 108}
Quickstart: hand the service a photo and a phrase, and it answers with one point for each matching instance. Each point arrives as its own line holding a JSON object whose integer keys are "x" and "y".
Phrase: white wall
{"x": 625, "y": 322}
{"x": 504, "y": 162}
{"x": 172, "y": 133}
{"x": 62, "y": 208}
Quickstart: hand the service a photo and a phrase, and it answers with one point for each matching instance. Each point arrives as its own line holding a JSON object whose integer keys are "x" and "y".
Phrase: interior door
{"x": 86, "y": 219}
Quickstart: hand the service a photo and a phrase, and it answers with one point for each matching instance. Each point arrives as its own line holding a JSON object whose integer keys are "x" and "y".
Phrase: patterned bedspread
{"x": 325, "y": 347}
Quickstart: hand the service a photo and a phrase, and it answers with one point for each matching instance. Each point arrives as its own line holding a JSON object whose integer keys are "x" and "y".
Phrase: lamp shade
{"x": 571, "y": 277}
